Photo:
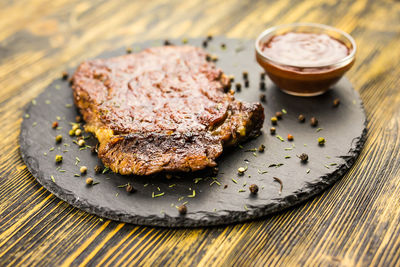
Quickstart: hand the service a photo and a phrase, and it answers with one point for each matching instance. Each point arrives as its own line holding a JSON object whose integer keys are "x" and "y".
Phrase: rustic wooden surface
{"x": 356, "y": 222}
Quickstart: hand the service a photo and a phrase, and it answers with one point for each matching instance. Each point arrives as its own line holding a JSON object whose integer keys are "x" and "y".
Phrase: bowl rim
{"x": 347, "y": 59}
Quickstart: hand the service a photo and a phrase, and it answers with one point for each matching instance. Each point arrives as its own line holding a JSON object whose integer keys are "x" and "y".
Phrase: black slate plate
{"x": 214, "y": 203}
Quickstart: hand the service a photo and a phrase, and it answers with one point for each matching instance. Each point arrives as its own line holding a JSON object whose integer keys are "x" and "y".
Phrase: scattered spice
{"x": 274, "y": 120}
{"x": 196, "y": 180}
{"x": 209, "y": 37}
{"x": 129, "y": 188}
{"x": 78, "y": 118}
{"x": 168, "y": 176}
{"x": 261, "y": 172}
{"x": 278, "y": 115}
{"x": 182, "y": 209}
{"x": 261, "y": 148}
{"x": 262, "y": 76}
{"x": 241, "y": 190}
{"x": 313, "y": 121}
{"x": 58, "y": 158}
{"x": 106, "y": 169}
{"x": 223, "y": 46}
{"x": 253, "y": 189}
{"x": 167, "y": 42}
{"x": 54, "y": 125}
{"x": 157, "y": 195}
{"x": 319, "y": 129}
{"x": 98, "y": 169}
{"x": 321, "y": 141}
{"x": 290, "y": 137}
{"x": 225, "y": 186}
{"x": 238, "y": 87}
{"x": 193, "y": 194}
{"x": 71, "y": 132}
{"x": 83, "y": 169}
{"x": 284, "y": 111}
{"x": 52, "y": 178}
{"x": 242, "y": 170}
{"x": 77, "y": 175}
{"x": 245, "y": 75}
{"x": 64, "y": 75}
{"x": 287, "y": 157}
{"x": 89, "y": 181}
{"x": 263, "y": 98}
{"x": 78, "y": 132}
{"x": 301, "y": 118}
{"x": 27, "y": 116}
{"x": 303, "y": 157}
{"x": 262, "y": 86}
{"x": 280, "y": 182}
{"x": 81, "y": 142}
{"x": 336, "y": 102}
{"x": 231, "y": 78}
{"x": 58, "y": 138}
{"x": 246, "y": 83}
{"x": 128, "y": 50}
{"x": 185, "y": 41}
{"x": 233, "y": 180}
{"x": 272, "y": 130}
{"x": 308, "y": 171}
{"x": 280, "y": 138}
{"x": 51, "y": 149}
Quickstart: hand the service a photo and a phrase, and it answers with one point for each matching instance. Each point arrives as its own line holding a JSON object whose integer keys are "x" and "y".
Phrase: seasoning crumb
{"x": 182, "y": 209}
{"x": 272, "y": 130}
{"x": 64, "y": 75}
{"x": 301, "y": 118}
{"x": 261, "y": 148}
{"x": 278, "y": 115}
{"x": 321, "y": 141}
{"x": 98, "y": 169}
{"x": 253, "y": 189}
{"x": 274, "y": 120}
{"x": 238, "y": 87}
{"x": 58, "y": 158}
{"x": 54, "y": 124}
{"x": 83, "y": 169}
{"x": 303, "y": 157}
{"x": 336, "y": 102}
{"x": 313, "y": 121}
{"x": 59, "y": 138}
{"x": 263, "y": 98}
{"x": 262, "y": 86}
{"x": 290, "y": 137}
{"x": 89, "y": 181}
{"x": 81, "y": 142}
{"x": 129, "y": 188}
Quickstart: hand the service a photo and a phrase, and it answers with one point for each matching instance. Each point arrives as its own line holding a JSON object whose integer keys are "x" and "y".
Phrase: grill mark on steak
{"x": 163, "y": 109}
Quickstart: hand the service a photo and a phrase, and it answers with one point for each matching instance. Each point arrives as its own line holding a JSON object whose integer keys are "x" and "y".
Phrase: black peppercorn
{"x": 209, "y": 37}
{"x": 301, "y": 118}
{"x": 245, "y": 75}
{"x": 223, "y": 46}
{"x": 272, "y": 130}
{"x": 303, "y": 157}
{"x": 246, "y": 83}
{"x": 128, "y": 50}
{"x": 253, "y": 189}
{"x": 263, "y": 98}
{"x": 313, "y": 121}
{"x": 279, "y": 115}
{"x": 262, "y": 76}
{"x": 167, "y": 42}
{"x": 182, "y": 209}
{"x": 336, "y": 102}
{"x": 205, "y": 43}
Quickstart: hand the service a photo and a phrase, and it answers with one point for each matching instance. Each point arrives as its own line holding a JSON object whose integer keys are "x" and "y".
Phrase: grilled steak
{"x": 163, "y": 109}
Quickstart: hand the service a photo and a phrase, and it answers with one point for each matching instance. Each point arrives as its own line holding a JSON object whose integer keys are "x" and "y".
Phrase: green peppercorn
{"x": 59, "y": 158}
{"x": 71, "y": 132}
{"x": 59, "y": 138}
{"x": 253, "y": 189}
{"x": 336, "y": 102}
{"x": 274, "y": 120}
{"x": 78, "y": 132}
{"x": 182, "y": 209}
{"x": 89, "y": 181}
{"x": 321, "y": 141}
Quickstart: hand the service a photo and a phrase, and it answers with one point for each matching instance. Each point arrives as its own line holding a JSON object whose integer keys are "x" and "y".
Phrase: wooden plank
{"x": 355, "y": 223}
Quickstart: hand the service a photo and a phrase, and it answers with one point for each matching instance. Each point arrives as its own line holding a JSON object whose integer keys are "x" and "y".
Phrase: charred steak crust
{"x": 163, "y": 109}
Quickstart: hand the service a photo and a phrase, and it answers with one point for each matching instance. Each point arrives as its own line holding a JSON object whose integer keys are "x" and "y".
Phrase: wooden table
{"x": 356, "y": 222}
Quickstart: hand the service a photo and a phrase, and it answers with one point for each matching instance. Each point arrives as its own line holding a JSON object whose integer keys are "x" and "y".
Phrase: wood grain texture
{"x": 355, "y": 223}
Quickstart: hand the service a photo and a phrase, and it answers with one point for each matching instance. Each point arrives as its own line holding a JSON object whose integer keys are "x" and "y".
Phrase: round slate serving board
{"x": 211, "y": 199}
